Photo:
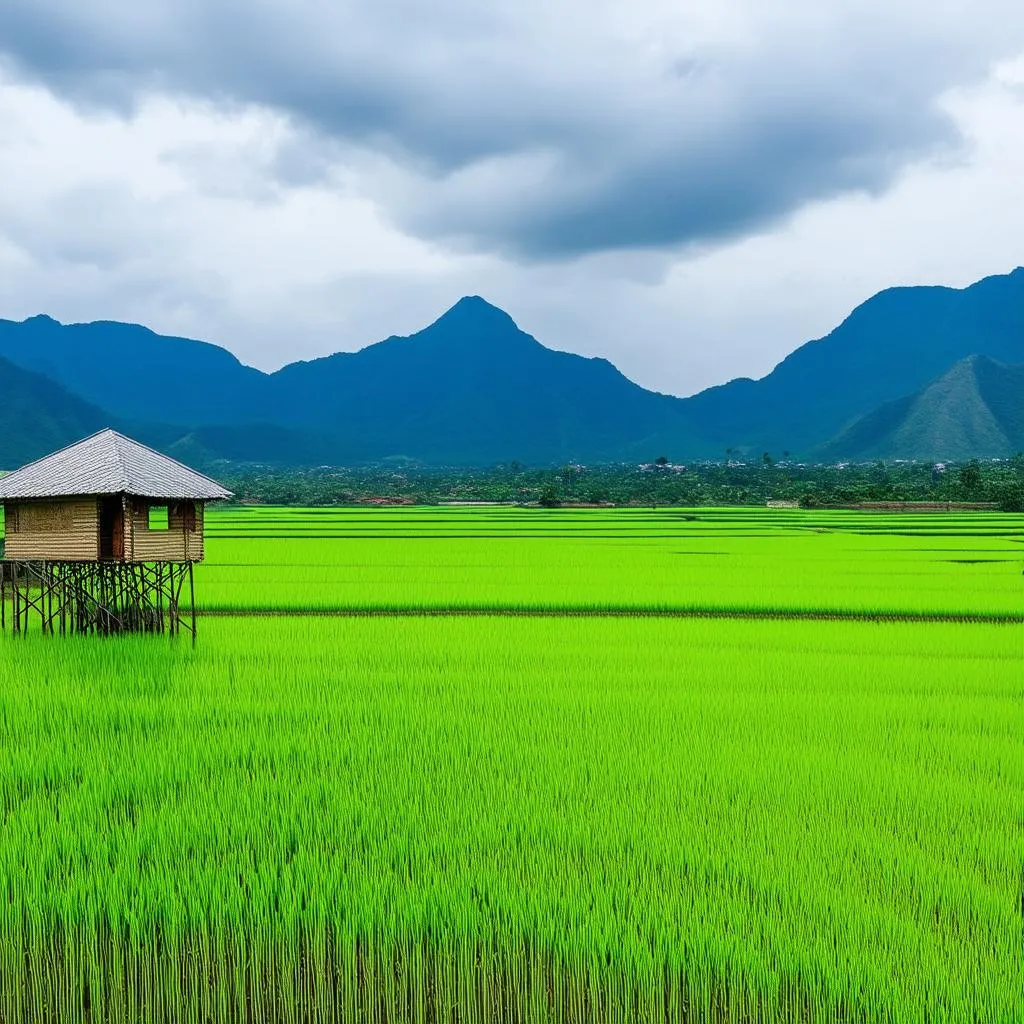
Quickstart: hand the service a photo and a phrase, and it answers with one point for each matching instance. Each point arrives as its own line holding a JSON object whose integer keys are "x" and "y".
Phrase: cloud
{"x": 171, "y": 166}
{"x": 541, "y": 130}
{"x": 165, "y": 219}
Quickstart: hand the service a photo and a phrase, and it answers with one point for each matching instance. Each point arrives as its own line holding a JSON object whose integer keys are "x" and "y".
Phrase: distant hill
{"x": 473, "y": 388}
{"x": 38, "y": 416}
{"x": 133, "y": 372}
{"x": 265, "y": 443}
{"x": 974, "y": 410}
{"x": 890, "y": 346}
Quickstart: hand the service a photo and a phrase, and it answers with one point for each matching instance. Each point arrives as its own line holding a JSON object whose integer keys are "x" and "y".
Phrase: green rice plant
{"x": 754, "y": 561}
{"x": 514, "y": 819}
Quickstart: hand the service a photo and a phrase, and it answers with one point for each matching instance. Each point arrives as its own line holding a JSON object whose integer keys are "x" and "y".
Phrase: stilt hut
{"x": 102, "y": 536}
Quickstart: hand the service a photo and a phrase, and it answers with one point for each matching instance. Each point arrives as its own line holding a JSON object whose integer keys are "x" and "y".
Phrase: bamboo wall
{"x": 65, "y": 530}
{"x": 175, "y": 544}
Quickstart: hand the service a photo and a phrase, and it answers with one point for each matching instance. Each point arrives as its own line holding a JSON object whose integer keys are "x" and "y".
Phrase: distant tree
{"x": 549, "y": 496}
{"x": 1012, "y": 498}
{"x": 970, "y": 476}
{"x": 701, "y": 483}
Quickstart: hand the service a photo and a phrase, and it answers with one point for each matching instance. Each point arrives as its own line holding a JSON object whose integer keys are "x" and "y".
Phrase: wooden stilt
{"x": 98, "y": 597}
{"x": 192, "y": 602}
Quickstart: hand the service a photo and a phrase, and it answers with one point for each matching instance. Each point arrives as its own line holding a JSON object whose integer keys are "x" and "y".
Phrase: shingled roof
{"x": 109, "y": 463}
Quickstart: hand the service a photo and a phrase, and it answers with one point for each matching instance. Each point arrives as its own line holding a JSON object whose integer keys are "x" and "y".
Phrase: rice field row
{"x": 347, "y": 803}
{"x": 514, "y": 819}
{"x": 751, "y": 561}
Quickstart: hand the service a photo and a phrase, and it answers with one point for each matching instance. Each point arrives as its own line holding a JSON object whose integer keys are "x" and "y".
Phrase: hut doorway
{"x": 111, "y": 529}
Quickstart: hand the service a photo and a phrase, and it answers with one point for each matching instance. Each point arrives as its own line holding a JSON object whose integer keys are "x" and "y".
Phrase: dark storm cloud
{"x": 540, "y": 129}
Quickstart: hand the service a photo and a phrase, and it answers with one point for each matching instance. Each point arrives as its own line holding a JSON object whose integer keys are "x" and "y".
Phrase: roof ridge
{"x": 116, "y": 438}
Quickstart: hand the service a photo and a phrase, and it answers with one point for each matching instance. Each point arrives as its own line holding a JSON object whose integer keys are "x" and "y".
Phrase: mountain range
{"x": 922, "y": 372}
{"x": 38, "y": 416}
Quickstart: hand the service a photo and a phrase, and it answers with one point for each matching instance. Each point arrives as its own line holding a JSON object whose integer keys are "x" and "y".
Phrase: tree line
{"x": 659, "y": 482}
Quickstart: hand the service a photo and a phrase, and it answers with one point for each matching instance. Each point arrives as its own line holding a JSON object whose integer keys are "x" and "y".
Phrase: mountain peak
{"x": 472, "y": 312}
{"x": 970, "y": 362}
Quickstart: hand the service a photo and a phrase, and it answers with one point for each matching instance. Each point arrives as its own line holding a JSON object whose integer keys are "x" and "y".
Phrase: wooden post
{"x": 101, "y": 598}
{"x": 172, "y": 604}
{"x": 160, "y": 597}
{"x": 192, "y": 602}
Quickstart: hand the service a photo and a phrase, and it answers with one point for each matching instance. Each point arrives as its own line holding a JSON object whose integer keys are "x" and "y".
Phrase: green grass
{"x": 525, "y": 819}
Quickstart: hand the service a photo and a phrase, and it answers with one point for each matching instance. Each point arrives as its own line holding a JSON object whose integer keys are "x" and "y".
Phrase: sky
{"x": 689, "y": 188}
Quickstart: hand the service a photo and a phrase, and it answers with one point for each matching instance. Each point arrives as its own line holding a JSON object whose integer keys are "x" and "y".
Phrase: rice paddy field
{"x": 498, "y": 764}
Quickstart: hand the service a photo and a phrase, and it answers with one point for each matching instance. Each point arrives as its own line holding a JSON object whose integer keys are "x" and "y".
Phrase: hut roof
{"x": 109, "y": 463}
